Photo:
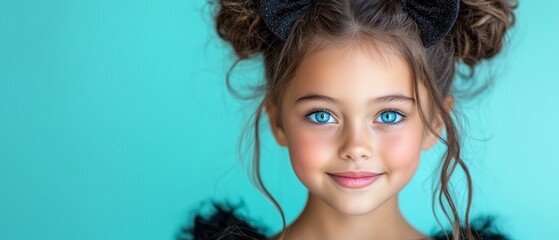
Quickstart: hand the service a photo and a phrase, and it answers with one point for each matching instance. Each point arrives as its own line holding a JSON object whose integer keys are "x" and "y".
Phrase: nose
{"x": 357, "y": 144}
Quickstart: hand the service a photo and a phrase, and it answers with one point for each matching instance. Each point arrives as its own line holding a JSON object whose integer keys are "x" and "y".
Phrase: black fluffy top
{"x": 225, "y": 224}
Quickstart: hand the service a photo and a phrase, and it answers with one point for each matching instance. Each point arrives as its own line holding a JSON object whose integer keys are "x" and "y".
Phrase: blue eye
{"x": 390, "y": 117}
{"x": 321, "y": 117}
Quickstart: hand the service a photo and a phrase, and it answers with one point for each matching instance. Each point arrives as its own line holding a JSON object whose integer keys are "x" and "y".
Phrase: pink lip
{"x": 355, "y": 180}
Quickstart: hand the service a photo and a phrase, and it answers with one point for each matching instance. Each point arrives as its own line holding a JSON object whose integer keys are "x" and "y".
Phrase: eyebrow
{"x": 384, "y": 99}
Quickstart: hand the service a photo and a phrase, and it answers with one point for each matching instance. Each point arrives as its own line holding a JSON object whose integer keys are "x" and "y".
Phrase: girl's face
{"x": 350, "y": 111}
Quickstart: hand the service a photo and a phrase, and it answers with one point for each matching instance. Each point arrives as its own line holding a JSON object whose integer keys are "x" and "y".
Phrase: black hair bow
{"x": 435, "y": 18}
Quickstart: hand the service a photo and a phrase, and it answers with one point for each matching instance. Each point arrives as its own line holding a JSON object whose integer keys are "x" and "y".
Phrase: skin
{"x": 353, "y": 139}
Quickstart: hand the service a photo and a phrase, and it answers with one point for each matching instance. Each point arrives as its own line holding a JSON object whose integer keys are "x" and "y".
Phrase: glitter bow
{"x": 435, "y": 18}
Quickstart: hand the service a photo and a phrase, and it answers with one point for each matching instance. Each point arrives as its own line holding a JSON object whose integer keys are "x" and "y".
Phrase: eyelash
{"x": 315, "y": 110}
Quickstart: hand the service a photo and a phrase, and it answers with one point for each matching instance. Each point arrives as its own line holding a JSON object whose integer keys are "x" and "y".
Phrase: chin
{"x": 356, "y": 207}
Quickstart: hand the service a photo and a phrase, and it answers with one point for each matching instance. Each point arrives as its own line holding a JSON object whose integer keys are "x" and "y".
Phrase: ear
{"x": 275, "y": 123}
{"x": 429, "y": 139}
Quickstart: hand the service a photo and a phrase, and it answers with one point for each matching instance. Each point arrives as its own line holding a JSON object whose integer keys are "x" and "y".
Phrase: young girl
{"x": 356, "y": 89}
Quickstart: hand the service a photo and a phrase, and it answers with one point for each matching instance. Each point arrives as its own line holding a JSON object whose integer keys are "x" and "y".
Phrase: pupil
{"x": 388, "y": 117}
{"x": 323, "y": 117}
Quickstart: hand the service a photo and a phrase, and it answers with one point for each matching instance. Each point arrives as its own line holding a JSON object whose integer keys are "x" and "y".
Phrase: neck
{"x": 319, "y": 221}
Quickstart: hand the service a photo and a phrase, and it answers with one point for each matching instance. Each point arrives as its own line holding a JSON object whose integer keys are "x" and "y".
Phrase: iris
{"x": 320, "y": 117}
{"x": 389, "y": 117}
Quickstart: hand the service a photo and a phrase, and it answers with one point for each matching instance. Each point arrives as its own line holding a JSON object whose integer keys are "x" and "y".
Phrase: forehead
{"x": 352, "y": 72}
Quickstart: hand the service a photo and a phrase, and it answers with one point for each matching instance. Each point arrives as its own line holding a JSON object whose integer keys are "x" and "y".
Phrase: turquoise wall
{"x": 115, "y": 123}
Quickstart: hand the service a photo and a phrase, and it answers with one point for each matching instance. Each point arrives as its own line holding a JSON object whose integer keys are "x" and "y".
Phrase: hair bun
{"x": 480, "y": 29}
{"x": 239, "y": 22}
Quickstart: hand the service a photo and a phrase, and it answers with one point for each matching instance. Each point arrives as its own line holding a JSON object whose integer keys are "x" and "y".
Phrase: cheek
{"x": 309, "y": 150}
{"x": 401, "y": 151}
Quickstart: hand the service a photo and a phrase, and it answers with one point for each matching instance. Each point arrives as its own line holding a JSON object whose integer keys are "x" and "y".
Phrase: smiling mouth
{"x": 355, "y": 180}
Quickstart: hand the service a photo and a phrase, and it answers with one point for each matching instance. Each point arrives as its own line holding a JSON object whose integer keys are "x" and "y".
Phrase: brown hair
{"x": 478, "y": 34}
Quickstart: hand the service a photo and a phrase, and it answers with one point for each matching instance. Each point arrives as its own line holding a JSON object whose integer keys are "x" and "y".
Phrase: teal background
{"x": 115, "y": 123}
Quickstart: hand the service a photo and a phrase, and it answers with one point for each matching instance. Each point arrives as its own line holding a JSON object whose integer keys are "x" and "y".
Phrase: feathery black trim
{"x": 226, "y": 224}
